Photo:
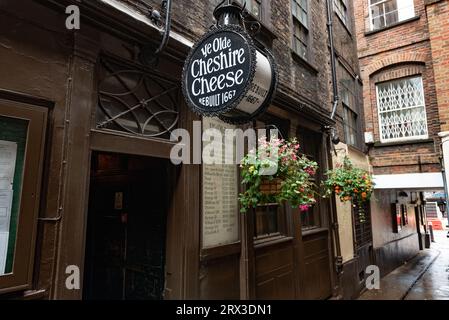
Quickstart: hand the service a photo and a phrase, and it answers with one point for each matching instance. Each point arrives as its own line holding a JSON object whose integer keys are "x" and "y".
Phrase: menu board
{"x": 8, "y": 154}
{"x": 219, "y": 196}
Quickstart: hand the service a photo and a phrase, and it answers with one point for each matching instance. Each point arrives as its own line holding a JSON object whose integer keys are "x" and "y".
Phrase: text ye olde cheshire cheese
{"x": 226, "y": 59}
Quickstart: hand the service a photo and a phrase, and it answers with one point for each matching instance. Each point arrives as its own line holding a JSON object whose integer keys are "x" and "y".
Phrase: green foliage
{"x": 349, "y": 183}
{"x": 278, "y": 161}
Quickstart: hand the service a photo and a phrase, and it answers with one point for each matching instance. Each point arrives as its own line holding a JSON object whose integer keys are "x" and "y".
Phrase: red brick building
{"x": 402, "y": 48}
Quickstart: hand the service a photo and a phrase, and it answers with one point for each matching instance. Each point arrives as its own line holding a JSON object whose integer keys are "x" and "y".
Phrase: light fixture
{"x": 442, "y": 205}
{"x": 403, "y": 194}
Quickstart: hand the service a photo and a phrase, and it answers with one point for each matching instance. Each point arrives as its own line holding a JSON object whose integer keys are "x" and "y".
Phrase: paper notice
{"x": 8, "y": 155}
{"x": 5, "y": 209}
{"x": 4, "y": 236}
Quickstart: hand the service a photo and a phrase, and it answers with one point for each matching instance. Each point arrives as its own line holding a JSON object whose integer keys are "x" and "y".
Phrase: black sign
{"x": 219, "y": 71}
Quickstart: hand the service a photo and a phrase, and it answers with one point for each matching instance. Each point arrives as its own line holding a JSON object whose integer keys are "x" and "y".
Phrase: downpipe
{"x": 333, "y": 139}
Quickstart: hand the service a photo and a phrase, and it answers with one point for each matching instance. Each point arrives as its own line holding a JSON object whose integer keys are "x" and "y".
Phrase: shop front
{"x": 91, "y": 204}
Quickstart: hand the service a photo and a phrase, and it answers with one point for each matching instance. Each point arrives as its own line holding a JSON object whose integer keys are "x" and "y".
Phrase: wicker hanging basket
{"x": 270, "y": 187}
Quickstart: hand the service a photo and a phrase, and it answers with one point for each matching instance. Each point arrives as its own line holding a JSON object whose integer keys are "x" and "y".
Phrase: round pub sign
{"x": 226, "y": 76}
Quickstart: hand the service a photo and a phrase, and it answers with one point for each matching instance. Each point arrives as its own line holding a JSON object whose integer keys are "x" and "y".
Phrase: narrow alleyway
{"x": 425, "y": 277}
{"x": 434, "y": 283}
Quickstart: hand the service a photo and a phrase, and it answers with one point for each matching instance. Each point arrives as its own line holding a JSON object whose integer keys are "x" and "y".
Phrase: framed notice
{"x": 220, "y": 224}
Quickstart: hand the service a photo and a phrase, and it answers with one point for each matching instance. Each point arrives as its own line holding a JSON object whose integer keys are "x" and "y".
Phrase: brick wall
{"x": 396, "y": 52}
{"x": 308, "y": 81}
{"x": 438, "y": 20}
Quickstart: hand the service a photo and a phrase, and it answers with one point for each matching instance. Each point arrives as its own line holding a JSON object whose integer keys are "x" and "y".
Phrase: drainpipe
{"x": 445, "y": 165}
{"x": 333, "y": 64}
{"x": 334, "y": 139}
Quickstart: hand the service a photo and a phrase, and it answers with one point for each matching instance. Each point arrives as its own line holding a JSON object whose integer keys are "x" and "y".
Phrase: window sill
{"x": 269, "y": 241}
{"x": 220, "y": 251}
{"x": 356, "y": 148}
{"x": 378, "y": 144}
{"x": 304, "y": 62}
{"x": 368, "y": 33}
{"x": 312, "y": 231}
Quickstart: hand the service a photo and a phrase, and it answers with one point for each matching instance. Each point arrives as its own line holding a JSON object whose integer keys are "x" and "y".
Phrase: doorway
{"x": 126, "y": 232}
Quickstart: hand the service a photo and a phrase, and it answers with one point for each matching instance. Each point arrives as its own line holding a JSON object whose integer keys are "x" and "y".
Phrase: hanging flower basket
{"x": 277, "y": 172}
{"x": 350, "y": 184}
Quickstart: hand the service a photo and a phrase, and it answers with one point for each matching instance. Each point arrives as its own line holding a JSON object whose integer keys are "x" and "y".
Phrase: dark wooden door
{"x": 125, "y": 256}
{"x": 275, "y": 275}
{"x": 316, "y": 280}
{"x": 315, "y": 253}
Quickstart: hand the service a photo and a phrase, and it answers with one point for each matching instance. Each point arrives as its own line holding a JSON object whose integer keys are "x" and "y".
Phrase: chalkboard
{"x": 14, "y": 130}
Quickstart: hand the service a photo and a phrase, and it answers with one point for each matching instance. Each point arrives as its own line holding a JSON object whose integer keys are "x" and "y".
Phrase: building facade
{"x": 86, "y": 118}
{"x": 401, "y": 61}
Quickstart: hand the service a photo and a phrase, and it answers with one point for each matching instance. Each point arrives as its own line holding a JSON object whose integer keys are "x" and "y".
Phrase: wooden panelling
{"x": 215, "y": 278}
{"x": 274, "y": 268}
{"x": 317, "y": 283}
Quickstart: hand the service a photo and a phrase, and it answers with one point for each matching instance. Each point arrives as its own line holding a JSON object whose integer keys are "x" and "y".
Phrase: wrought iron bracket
{"x": 148, "y": 54}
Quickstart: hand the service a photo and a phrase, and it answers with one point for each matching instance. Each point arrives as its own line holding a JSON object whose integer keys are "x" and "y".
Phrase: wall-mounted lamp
{"x": 442, "y": 205}
{"x": 403, "y": 194}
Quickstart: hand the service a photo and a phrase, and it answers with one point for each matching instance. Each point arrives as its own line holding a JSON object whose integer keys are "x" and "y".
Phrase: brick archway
{"x": 393, "y": 59}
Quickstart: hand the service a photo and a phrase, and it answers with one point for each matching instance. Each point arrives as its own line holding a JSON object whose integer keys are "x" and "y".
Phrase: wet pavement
{"x": 425, "y": 277}
{"x": 434, "y": 283}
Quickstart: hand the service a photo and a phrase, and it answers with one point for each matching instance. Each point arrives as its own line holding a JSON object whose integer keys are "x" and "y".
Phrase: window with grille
{"x": 401, "y": 109}
{"x": 252, "y": 6}
{"x": 135, "y": 100}
{"x": 362, "y": 227}
{"x": 341, "y": 8}
{"x": 383, "y": 13}
{"x": 301, "y": 27}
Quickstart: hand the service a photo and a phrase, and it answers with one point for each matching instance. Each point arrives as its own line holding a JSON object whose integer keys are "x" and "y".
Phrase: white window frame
{"x": 386, "y": 26}
{"x": 413, "y": 138}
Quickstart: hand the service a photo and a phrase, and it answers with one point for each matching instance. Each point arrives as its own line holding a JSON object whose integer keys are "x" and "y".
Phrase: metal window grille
{"x": 401, "y": 110}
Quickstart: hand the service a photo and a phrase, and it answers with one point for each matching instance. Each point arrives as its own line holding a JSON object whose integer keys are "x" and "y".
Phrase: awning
{"x": 419, "y": 181}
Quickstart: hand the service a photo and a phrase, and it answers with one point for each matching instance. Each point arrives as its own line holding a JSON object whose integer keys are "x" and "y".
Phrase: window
{"x": 299, "y": 11}
{"x": 350, "y": 125}
{"x": 341, "y": 8}
{"x": 252, "y": 6}
{"x": 384, "y": 13}
{"x": 268, "y": 221}
{"x": 300, "y": 25}
{"x": 135, "y": 101}
{"x": 401, "y": 109}
{"x": 22, "y": 129}
{"x": 349, "y": 89}
{"x": 310, "y": 143}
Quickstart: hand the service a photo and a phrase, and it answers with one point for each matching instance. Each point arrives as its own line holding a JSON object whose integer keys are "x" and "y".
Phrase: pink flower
{"x": 310, "y": 171}
{"x": 304, "y": 207}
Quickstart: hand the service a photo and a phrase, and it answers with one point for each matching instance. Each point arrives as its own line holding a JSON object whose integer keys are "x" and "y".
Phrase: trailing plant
{"x": 277, "y": 172}
{"x": 350, "y": 184}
